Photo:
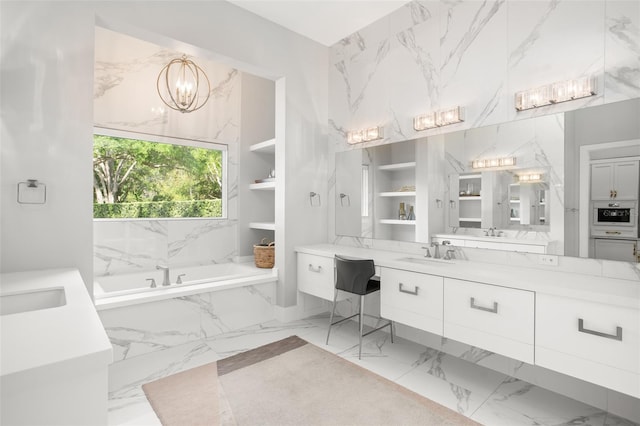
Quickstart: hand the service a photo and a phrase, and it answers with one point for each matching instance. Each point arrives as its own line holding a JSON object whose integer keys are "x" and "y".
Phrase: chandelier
{"x": 181, "y": 85}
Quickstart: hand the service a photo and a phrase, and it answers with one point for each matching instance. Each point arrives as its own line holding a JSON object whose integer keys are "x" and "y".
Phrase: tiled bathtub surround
{"x": 154, "y": 326}
{"x": 122, "y": 246}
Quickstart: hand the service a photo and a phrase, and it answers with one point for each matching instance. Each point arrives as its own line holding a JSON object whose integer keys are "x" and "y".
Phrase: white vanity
{"x": 583, "y": 325}
{"x": 55, "y": 353}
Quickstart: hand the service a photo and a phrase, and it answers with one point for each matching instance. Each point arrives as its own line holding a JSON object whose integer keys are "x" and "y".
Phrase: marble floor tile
{"x": 516, "y": 403}
{"x": 232, "y": 343}
{"x": 485, "y": 395}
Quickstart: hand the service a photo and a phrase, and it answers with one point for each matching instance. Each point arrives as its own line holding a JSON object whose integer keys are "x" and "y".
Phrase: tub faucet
{"x": 166, "y": 280}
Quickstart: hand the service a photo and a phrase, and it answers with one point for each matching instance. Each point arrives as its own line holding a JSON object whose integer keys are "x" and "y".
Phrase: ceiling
{"x": 324, "y": 21}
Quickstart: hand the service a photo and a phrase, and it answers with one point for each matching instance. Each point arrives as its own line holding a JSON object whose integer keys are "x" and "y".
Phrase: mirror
{"x": 518, "y": 207}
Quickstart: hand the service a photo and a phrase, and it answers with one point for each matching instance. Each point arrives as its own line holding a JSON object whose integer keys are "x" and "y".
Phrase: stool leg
{"x": 333, "y": 310}
{"x": 361, "y": 321}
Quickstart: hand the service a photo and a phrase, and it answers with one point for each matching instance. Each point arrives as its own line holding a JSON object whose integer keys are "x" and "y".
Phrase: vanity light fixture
{"x": 530, "y": 178}
{"x": 183, "y": 86}
{"x": 438, "y": 118}
{"x": 365, "y": 135}
{"x": 493, "y": 162}
{"x": 561, "y": 91}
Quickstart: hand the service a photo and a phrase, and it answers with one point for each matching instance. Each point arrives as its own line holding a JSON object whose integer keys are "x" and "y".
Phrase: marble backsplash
{"x": 123, "y": 246}
{"x": 575, "y": 265}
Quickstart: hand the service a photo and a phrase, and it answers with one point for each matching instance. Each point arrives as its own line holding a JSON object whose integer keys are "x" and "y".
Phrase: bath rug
{"x": 290, "y": 382}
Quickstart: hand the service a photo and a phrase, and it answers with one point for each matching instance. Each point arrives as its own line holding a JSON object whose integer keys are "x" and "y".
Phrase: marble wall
{"x": 431, "y": 55}
{"x": 47, "y": 75}
{"x": 126, "y": 99}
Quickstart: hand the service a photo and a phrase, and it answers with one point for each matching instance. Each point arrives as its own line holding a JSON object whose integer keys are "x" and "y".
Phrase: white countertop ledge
{"x": 594, "y": 288}
{"x": 502, "y": 239}
{"x": 69, "y": 333}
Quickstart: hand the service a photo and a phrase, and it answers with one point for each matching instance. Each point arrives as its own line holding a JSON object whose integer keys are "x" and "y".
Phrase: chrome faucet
{"x": 450, "y": 254}
{"x": 166, "y": 280}
{"x": 491, "y": 232}
{"x": 435, "y": 244}
{"x": 428, "y": 253}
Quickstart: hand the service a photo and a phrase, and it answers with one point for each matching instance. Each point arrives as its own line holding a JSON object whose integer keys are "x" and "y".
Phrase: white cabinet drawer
{"x": 316, "y": 276}
{"x": 592, "y": 341}
{"x": 494, "y": 318}
{"x": 412, "y": 298}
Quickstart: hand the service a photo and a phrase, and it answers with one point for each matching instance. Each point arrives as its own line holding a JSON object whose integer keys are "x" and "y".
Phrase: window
{"x": 134, "y": 177}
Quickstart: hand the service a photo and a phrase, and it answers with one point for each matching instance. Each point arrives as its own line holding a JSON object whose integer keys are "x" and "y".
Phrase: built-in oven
{"x": 615, "y": 219}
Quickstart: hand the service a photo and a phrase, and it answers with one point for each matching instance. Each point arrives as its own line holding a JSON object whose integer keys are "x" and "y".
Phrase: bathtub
{"x": 114, "y": 291}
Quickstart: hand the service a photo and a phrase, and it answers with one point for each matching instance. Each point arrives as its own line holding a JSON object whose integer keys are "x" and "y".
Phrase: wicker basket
{"x": 264, "y": 254}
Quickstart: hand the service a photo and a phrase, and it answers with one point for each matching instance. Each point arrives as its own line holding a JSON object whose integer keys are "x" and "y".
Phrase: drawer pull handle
{"x": 312, "y": 269}
{"x": 414, "y": 292}
{"x": 617, "y": 336}
{"x": 472, "y": 305}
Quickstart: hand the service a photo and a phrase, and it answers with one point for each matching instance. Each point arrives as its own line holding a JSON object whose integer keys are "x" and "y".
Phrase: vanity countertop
{"x": 501, "y": 239}
{"x": 594, "y": 288}
{"x": 38, "y": 338}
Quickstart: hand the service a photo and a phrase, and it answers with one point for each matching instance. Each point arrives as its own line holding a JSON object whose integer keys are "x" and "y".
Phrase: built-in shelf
{"x": 514, "y": 201}
{"x": 268, "y": 226}
{"x": 514, "y": 219}
{"x": 474, "y": 176}
{"x": 266, "y": 146}
{"x": 397, "y": 222}
{"x": 398, "y": 166}
{"x": 470, "y": 198}
{"x": 398, "y": 194}
{"x": 470, "y": 219}
{"x": 266, "y": 186}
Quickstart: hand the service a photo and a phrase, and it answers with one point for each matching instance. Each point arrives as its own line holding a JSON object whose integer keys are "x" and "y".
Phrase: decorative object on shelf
{"x": 183, "y": 86}
{"x": 411, "y": 215}
{"x": 530, "y": 178}
{"x": 438, "y": 118}
{"x": 561, "y": 91}
{"x": 312, "y": 196}
{"x": 402, "y": 214}
{"x": 271, "y": 177}
{"x": 493, "y": 162}
{"x": 264, "y": 254}
{"x": 32, "y": 192}
{"x": 365, "y": 135}
{"x": 342, "y": 197}
{"x": 407, "y": 188}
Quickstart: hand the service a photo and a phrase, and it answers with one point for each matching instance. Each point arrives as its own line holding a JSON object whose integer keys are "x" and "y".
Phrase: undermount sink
{"x": 424, "y": 260}
{"x": 32, "y": 301}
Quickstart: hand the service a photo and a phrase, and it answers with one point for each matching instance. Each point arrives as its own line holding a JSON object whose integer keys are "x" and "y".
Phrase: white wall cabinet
{"x": 616, "y": 180}
{"x": 412, "y": 298}
{"x": 495, "y": 318}
{"x": 595, "y": 342}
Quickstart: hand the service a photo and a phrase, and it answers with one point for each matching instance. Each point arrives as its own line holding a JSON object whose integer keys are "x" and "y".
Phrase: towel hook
{"x": 313, "y": 195}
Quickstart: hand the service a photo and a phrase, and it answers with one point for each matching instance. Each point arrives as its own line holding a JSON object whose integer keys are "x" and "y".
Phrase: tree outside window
{"x": 135, "y": 178}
